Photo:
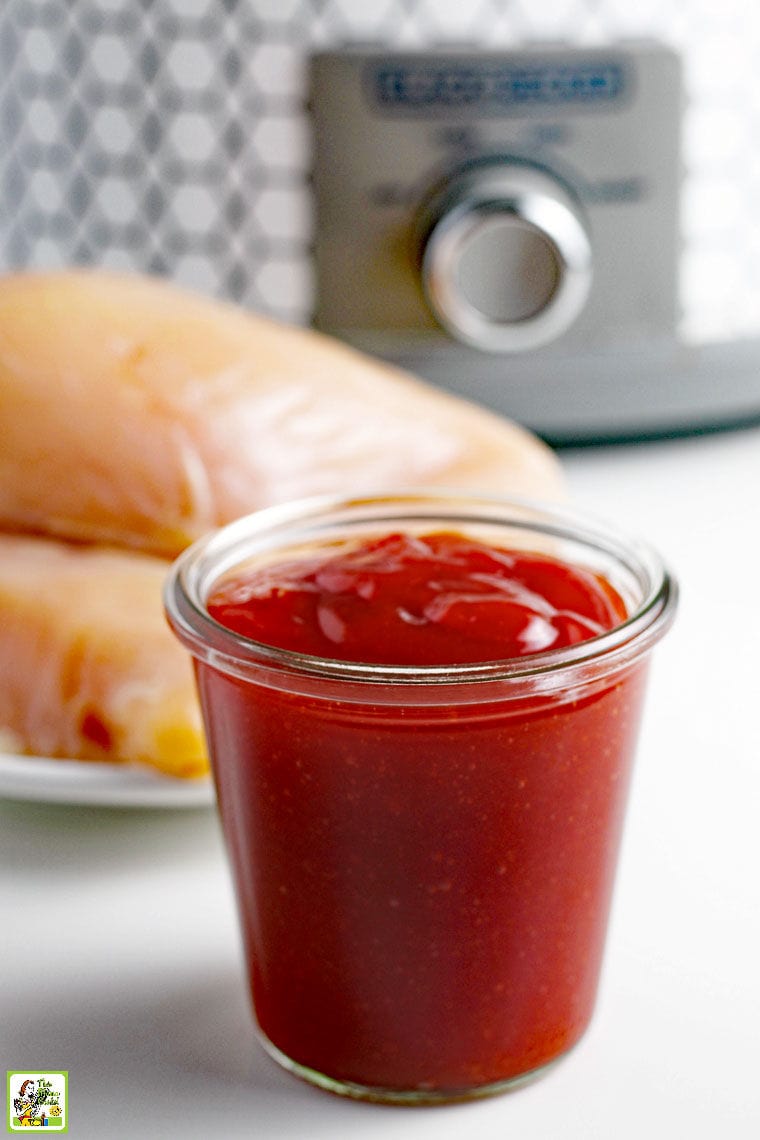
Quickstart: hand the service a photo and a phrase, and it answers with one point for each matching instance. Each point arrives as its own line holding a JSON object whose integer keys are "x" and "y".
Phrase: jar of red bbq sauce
{"x": 421, "y": 712}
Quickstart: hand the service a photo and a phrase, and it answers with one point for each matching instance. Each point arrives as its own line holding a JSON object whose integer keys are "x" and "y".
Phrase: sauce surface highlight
{"x": 438, "y": 599}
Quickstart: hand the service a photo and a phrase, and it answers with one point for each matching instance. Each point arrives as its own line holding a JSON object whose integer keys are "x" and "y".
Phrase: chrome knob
{"x": 505, "y": 256}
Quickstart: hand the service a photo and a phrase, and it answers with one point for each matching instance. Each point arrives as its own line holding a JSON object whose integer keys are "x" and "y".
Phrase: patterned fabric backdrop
{"x": 171, "y": 135}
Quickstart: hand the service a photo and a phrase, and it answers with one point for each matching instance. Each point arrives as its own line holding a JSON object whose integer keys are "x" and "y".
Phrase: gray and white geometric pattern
{"x": 171, "y": 135}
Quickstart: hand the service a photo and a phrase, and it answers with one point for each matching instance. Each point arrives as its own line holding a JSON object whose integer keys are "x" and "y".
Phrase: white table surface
{"x": 118, "y": 939}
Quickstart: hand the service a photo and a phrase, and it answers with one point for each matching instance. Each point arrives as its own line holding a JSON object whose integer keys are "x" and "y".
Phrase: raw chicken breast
{"x": 132, "y": 412}
{"x": 88, "y": 667}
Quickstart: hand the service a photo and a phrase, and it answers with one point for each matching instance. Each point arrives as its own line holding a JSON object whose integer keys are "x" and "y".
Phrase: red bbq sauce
{"x": 424, "y": 885}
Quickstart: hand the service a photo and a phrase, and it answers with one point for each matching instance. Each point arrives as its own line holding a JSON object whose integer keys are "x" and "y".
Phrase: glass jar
{"x": 423, "y": 856}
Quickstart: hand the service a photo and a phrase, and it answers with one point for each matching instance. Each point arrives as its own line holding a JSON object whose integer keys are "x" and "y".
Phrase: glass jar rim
{"x": 210, "y": 558}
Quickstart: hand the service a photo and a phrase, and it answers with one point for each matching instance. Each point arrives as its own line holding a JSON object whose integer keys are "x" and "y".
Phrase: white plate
{"x": 108, "y": 785}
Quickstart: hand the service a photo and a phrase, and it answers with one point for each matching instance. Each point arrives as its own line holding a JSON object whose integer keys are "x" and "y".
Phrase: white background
{"x": 118, "y": 939}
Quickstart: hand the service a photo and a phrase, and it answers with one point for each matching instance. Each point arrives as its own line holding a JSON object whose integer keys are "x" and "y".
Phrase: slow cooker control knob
{"x": 505, "y": 256}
